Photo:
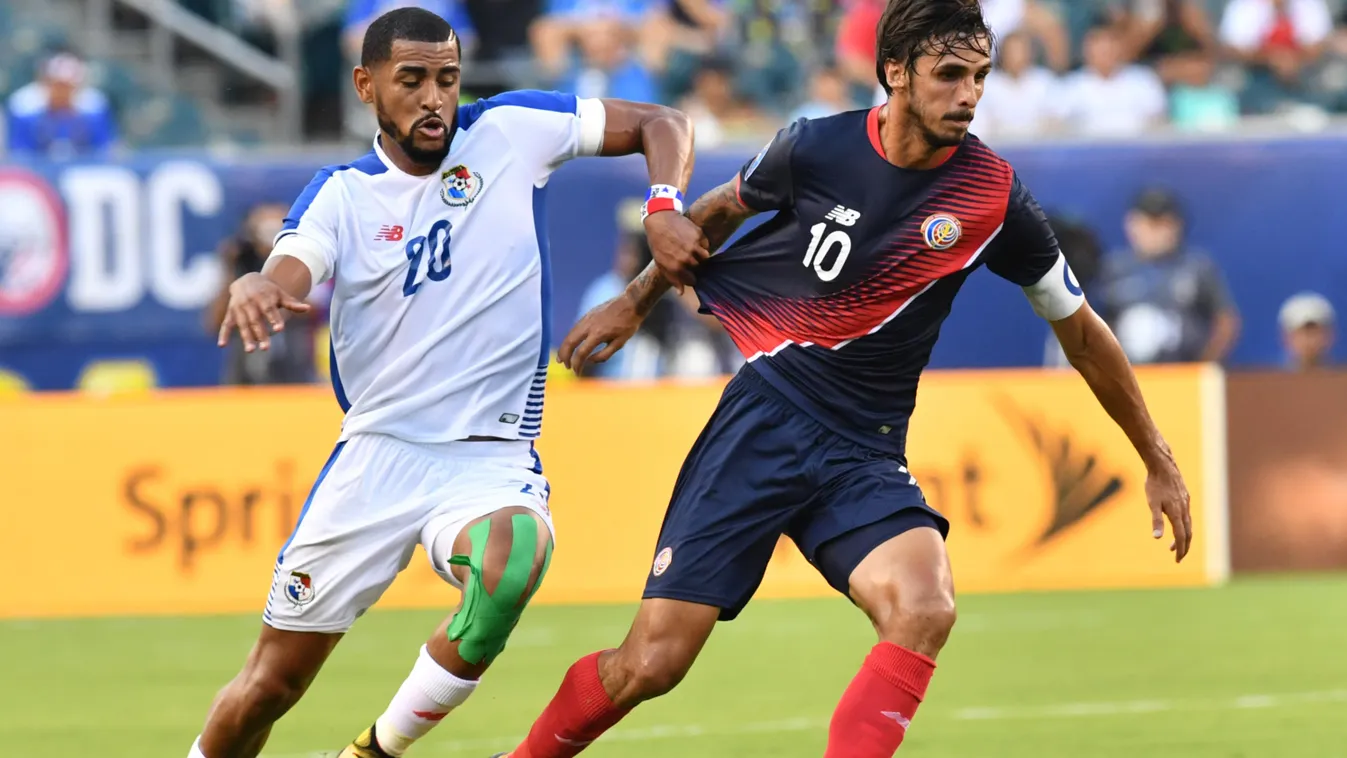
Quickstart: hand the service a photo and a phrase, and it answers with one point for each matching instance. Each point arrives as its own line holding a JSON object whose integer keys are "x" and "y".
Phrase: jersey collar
{"x": 379, "y": 151}
{"x": 392, "y": 167}
{"x": 872, "y": 131}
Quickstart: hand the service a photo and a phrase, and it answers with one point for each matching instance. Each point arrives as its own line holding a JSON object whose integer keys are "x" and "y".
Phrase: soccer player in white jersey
{"x": 440, "y": 346}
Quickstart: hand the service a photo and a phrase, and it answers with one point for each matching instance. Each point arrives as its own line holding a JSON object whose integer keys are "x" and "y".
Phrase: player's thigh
{"x": 905, "y": 579}
{"x": 897, "y": 571}
{"x": 873, "y": 536}
{"x": 493, "y": 514}
{"x": 356, "y": 532}
{"x": 742, "y": 483}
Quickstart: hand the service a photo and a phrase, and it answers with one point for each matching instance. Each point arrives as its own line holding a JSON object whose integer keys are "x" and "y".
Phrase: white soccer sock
{"x": 196, "y": 750}
{"x": 423, "y": 700}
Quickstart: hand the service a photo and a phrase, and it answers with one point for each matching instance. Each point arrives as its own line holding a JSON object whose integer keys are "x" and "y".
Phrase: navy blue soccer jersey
{"x": 838, "y": 299}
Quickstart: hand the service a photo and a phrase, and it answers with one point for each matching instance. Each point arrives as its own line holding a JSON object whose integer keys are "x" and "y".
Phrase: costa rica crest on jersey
{"x": 460, "y": 185}
{"x": 941, "y": 231}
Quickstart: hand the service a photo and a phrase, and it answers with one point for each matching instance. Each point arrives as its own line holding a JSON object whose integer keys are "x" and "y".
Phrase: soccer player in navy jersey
{"x": 836, "y": 301}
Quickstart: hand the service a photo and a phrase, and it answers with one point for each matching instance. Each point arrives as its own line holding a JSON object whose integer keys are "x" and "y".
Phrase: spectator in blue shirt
{"x": 608, "y": 66}
{"x": 566, "y": 25}
{"x": 57, "y": 116}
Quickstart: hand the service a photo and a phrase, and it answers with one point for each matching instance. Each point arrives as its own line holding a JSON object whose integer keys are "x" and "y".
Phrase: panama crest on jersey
{"x": 460, "y": 185}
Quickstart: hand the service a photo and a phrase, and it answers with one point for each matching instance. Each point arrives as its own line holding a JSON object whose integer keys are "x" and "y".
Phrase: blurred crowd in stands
{"x": 743, "y": 67}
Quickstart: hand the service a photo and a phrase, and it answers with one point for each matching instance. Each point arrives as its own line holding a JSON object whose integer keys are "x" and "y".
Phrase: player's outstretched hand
{"x": 1168, "y": 498}
{"x": 677, "y": 244}
{"x": 610, "y": 324}
{"x": 256, "y": 302}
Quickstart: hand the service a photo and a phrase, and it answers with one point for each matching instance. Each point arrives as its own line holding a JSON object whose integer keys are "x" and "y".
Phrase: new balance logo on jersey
{"x": 843, "y": 215}
{"x": 389, "y": 234}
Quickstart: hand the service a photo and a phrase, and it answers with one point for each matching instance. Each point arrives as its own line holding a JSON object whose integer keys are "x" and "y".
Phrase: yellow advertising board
{"x": 177, "y": 502}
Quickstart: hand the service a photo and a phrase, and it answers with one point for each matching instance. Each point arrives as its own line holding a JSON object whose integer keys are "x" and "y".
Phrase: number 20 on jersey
{"x": 433, "y": 248}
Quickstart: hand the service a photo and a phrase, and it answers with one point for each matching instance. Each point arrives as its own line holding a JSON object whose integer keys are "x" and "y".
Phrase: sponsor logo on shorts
{"x": 663, "y": 560}
{"x": 299, "y": 589}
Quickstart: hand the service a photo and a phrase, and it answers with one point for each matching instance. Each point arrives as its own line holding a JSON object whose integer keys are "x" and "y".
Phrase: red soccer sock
{"x": 877, "y": 707}
{"x": 579, "y": 713}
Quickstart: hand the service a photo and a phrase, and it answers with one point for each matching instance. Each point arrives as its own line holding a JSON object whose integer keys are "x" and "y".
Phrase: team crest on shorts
{"x": 460, "y": 186}
{"x": 663, "y": 560}
{"x": 299, "y": 589}
{"x": 941, "y": 231}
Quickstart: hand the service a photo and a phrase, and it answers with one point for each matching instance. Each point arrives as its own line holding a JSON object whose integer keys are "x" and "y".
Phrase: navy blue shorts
{"x": 762, "y": 468}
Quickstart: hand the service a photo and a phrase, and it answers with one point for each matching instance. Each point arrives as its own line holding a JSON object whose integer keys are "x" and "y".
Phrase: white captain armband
{"x": 1057, "y": 294}
{"x": 593, "y": 117}
{"x": 309, "y": 252}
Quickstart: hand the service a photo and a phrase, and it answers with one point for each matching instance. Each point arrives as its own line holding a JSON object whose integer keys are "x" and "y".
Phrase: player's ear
{"x": 896, "y": 74}
{"x": 363, "y": 79}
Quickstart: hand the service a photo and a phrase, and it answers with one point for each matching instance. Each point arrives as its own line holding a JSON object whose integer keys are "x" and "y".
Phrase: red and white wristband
{"x": 662, "y": 197}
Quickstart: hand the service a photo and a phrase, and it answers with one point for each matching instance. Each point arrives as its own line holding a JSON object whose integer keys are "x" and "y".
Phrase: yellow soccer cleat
{"x": 364, "y": 746}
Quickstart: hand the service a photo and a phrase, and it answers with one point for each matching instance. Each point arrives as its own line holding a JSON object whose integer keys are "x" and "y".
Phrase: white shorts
{"x": 375, "y": 499}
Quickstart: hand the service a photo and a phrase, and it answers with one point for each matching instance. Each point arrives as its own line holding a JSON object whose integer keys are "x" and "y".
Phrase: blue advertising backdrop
{"x": 117, "y": 259}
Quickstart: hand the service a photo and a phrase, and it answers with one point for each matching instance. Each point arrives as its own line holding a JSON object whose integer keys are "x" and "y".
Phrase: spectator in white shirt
{"x": 1278, "y": 40}
{"x": 1108, "y": 97}
{"x": 1256, "y": 27}
{"x": 1020, "y": 98}
{"x": 1006, "y": 17}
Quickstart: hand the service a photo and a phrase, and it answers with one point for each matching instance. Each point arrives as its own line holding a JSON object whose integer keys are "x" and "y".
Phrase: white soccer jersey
{"x": 441, "y": 304}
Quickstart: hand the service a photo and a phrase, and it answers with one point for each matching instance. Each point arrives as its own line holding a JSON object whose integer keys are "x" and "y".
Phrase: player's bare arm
{"x": 258, "y": 300}
{"x": 664, "y": 136}
{"x": 718, "y": 214}
{"x": 1096, "y": 354}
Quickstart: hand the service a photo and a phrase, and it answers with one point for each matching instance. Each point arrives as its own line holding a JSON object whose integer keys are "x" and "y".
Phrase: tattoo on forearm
{"x": 719, "y": 213}
{"x": 647, "y": 288}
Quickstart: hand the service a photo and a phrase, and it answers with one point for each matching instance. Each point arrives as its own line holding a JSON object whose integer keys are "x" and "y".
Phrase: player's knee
{"x": 920, "y": 618}
{"x": 519, "y": 547}
{"x": 915, "y": 614}
{"x": 933, "y": 615}
{"x": 503, "y": 559}
{"x": 650, "y": 673}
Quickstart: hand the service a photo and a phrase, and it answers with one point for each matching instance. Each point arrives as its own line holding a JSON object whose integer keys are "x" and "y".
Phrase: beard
{"x": 943, "y": 133}
{"x": 427, "y": 157}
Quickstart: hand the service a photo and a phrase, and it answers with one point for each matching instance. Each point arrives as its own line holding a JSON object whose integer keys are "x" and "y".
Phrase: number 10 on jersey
{"x": 818, "y": 253}
{"x": 434, "y": 248}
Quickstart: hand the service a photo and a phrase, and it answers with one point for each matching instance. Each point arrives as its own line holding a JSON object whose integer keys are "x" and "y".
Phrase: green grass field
{"x": 1257, "y": 669}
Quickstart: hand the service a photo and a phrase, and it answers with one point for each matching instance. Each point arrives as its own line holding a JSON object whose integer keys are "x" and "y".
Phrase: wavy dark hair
{"x": 910, "y": 29}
